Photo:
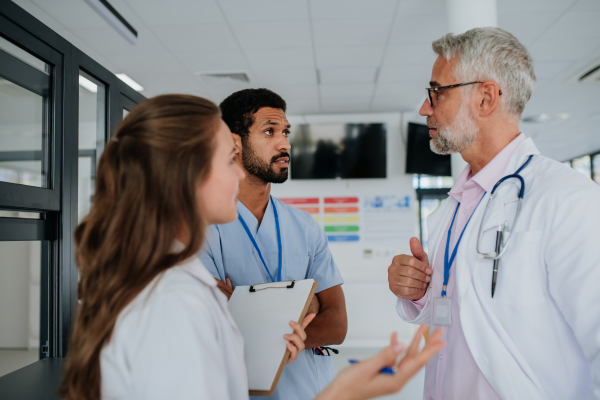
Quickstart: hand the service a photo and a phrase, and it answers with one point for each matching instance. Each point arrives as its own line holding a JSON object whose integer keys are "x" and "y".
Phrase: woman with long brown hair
{"x": 152, "y": 322}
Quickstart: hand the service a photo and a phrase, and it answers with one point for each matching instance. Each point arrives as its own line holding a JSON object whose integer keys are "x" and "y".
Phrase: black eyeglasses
{"x": 435, "y": 89}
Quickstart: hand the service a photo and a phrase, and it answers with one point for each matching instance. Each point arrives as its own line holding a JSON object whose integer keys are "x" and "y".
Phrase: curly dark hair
{"x": 239, "y": 108}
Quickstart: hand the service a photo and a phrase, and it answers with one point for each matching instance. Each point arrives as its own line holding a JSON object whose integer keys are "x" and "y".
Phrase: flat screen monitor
{"x": 419, "y": 157}
{"x": 338, "y": 151}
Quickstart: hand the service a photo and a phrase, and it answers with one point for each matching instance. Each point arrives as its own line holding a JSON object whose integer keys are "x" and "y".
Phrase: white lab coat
{"x": 176, "y": 340}
{"x": 539, "y": 337}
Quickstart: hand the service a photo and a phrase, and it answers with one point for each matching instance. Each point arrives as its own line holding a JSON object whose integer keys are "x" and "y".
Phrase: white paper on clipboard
{"x": 263, "y": 318}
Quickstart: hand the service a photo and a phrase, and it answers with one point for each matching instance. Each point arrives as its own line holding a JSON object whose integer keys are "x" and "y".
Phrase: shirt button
{"x": 465, "y": 211}
{"x": 441, "y": 356}
{"x": 483, "y": 361}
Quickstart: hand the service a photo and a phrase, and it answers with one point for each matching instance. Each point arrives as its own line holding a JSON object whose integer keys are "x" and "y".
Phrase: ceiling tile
{"x": 561, "y": 50}
{"x": 575, "y": 25}
{"x": 527, "y": 26}
{"x": 406, "y": 73}
{"x": 337, "y": 76}
{"x": 264, "y": 10}
{"x": 347, "y": 32}
{"x": 406, "y": 89}
{"x": 39, "y": 13}
{"x": 159, "y": 12}
{"x": 146, "y": 62}
{"x": 196, "y": 37}
{"x": 349, "y": 56}
{"x": 345, "y": 104}
{"x": 287, "y": 76}
{"x": 409, "y": 53}
{"x": 158, "y": 83}
{"x": 221, "y": 91}
{"x": 254, "y": 35}
{"x": 392, "y": 103}
{"x": 72, "y": 13}
{"x": 418, "y": 29}
{"x": 421, "y": 7}
{"x": 532, "y": 6}
{"x": 586, "y": 5}
{"x": 281, "y": 57}
{"x": 349, "y": 91}
{"x": 213, "y": 60}
{"x": 333, "y": 9}
{"x": 549, "y": 70}
{"x": 290, "y": 92}
{"x": 108, "y": 41}
{"x": 303, "y": 105}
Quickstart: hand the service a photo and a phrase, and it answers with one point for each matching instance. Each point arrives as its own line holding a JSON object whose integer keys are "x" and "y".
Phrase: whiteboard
{"x": 263, "y": 318}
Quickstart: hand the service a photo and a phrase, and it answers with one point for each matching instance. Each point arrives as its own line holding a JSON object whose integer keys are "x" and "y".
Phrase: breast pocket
{"x": 521, "y": 274}
{"x": 295, "y": 267}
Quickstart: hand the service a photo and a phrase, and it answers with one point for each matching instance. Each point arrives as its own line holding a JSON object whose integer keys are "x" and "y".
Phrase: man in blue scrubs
{"x": 256, "y": 118}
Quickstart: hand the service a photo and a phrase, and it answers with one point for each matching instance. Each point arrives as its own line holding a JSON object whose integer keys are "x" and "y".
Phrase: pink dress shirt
{"x": 453, "y": 374}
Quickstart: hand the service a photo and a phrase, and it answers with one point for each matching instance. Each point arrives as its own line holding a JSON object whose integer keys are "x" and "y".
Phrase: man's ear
{"x": 237, "y": 141}
{"x": 490, "y": 97}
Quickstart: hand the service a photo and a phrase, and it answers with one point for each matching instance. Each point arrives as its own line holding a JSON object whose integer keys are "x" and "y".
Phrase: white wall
{"x": 371, "y": 305}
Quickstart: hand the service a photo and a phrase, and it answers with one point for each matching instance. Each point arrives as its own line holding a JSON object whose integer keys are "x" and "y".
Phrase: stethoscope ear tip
{"x": 480, "y": 256}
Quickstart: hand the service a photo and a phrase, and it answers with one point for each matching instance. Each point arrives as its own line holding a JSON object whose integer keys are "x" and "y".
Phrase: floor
{"x": 12, "y": 360}
{"x": 413, "y": 389}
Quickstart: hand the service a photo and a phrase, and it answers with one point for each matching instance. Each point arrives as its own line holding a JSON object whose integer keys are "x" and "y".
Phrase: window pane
{"x": 583, "y": 165}
{"x": 596, "y": 165}
{"x": 125, "y": 112}
{"x": 20, "y": 270}
{"x": 22, "y": 136}
{"x": 24, "y": 56}
{"x": 91, "y": 138}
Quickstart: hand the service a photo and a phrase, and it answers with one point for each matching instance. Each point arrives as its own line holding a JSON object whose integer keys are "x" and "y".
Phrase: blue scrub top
{"x": 228, "y": 252}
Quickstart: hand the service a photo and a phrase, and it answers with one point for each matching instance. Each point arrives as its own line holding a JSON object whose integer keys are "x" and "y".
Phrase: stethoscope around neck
{"x": 493, "y": 255}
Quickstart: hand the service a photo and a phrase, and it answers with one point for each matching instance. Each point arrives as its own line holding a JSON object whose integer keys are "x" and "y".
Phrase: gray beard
{"x": 259, "y": 168}
{"x": 458, "y": 136}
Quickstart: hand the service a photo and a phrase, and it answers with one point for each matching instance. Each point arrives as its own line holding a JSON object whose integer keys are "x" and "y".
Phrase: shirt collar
{"x": 250, "y": 219}
{"x": 490, "y": 174}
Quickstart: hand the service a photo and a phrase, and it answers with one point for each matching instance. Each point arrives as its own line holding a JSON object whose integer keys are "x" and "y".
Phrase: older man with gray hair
{"x": 514, "y": 270}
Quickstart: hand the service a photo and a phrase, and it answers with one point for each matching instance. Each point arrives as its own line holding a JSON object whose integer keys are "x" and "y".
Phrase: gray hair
{"x": 492, "y": 54}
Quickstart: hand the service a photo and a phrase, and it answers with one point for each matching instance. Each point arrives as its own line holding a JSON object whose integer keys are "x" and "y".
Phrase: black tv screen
{"x": 419, "y": 157}
{"x": 332, "y": 151}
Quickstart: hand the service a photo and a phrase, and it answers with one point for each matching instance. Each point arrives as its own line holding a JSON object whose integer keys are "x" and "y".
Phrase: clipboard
{"x": 262, "y": 313}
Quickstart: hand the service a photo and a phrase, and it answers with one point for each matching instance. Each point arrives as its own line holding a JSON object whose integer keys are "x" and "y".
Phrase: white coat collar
{"x": 194, "y": 266}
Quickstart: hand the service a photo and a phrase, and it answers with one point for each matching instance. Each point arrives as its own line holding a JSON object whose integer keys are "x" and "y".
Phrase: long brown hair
{"x": 145, "y": 187}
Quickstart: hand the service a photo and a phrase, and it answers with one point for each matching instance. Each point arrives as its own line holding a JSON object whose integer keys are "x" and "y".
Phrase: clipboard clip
{"x": 272, "y": 285}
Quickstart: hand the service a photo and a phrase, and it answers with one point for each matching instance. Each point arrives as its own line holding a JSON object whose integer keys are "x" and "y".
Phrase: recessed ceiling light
{"x": 134, "y": 85}
{"x": 87, "y": 84}
{"x": 545, "y": 118}
{"x": 114, "y": 19}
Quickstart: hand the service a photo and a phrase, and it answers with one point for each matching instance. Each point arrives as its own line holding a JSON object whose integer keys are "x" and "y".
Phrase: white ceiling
{"x": 282, "y": 43}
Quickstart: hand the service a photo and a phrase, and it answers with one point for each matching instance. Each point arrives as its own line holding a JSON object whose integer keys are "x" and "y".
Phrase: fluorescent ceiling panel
{"x": 133, "y": 84}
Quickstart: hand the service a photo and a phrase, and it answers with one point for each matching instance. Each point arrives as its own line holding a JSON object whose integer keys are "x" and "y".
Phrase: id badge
{"x": 442, "y": 307}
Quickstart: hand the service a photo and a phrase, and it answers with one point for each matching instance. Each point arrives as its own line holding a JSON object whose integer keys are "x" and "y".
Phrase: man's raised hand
{"x": 409, "y": 276}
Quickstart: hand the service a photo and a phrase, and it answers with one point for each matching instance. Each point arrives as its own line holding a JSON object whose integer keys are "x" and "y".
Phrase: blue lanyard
{"x": 256, "y": 245}
{"x": 448, "y": 263}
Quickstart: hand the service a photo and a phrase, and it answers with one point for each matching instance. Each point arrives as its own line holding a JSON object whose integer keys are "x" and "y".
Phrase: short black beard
{"x": 261, "y": 169}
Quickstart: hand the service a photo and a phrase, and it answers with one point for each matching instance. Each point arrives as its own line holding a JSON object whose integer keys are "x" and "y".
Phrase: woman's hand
{"x": 296, "y": 340}
{"x": 364, "y": 381}
{"x": 225, "y": 287}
